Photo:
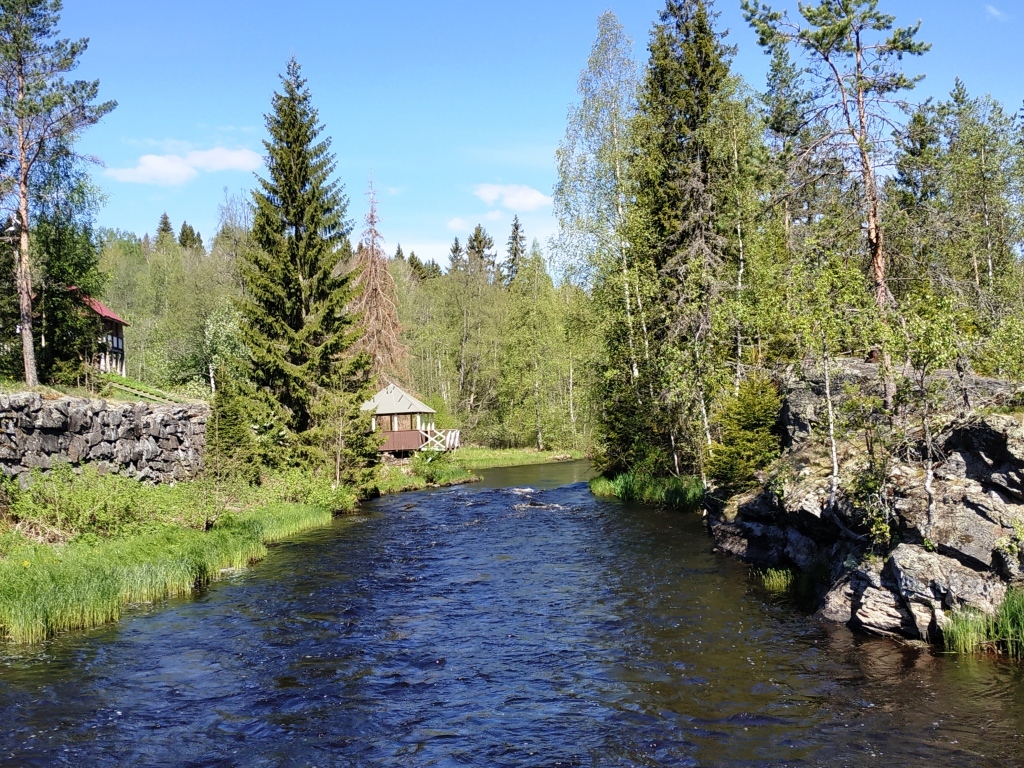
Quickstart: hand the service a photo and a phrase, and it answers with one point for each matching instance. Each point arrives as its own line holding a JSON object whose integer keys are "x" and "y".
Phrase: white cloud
{"x": 514, "y": 197}
{"x": 175, "y": 169}
{"x": 995, "y": 13}
{"x": 459, "y": 225}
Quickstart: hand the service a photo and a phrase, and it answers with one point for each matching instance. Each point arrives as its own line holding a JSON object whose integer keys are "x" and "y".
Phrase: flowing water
{"x": 519, "y": 622}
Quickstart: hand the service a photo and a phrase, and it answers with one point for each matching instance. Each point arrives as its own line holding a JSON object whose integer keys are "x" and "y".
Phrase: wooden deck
{"x": 420, "y": 440}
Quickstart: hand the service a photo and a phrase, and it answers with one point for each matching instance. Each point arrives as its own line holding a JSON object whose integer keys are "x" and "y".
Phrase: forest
{"x": 712, "y": 233}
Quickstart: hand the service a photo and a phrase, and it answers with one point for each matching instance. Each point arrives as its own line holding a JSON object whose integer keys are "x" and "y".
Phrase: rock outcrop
{"x": 902, "y": 557}
{"x": 161, "y": 443}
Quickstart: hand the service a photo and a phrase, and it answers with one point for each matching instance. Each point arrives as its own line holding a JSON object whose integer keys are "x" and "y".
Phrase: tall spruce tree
{"x": 295, "y": 321}
{"x": 516, "y": 253}
{"x": 675, "y": 244}
{"x": 164, "y": 227}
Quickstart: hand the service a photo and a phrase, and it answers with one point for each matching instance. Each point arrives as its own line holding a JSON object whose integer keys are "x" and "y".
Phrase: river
{"x": 518, "y": 622}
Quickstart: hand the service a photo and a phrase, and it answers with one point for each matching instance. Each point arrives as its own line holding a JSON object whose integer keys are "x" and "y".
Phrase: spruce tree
{"x": 189, "y": 238}
{"x": 480, "y": 259}
{"x": 516, "y": 252}
{"x": 164, "y": 227}
{"x": 661, "y": 423}
{"x": 295, "y": 322}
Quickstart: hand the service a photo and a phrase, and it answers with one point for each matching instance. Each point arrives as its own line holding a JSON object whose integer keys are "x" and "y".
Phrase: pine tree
{"x": 295, "y": 320}
{"x": 38, "y": 109}
{"x": 399, "y": 253}
{"x": 516, "y": 253}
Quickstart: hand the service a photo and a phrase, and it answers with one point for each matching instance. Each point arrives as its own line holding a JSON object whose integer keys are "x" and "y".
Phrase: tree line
{"x": 724, "y": 233}
{"x": 710, "y": 235}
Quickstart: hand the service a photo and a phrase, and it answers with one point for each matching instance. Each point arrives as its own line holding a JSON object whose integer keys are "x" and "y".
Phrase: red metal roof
{"x": 102, "y": 310}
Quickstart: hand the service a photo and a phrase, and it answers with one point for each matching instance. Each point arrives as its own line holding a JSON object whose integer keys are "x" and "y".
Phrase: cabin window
{"x": 403, "y": 423}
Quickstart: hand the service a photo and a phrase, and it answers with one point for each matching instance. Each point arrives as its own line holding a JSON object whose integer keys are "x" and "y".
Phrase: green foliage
{"x": 777, "y": 580}
{"x": 47, "y": 590}
{"x": 438, "y": 467}
{"x": 747, "y": 442}
{"x": 970, "y": 631}
{"x": 295, "y": 323}
{"x": 67, "y": 503}
{"x": 683, "y": 493}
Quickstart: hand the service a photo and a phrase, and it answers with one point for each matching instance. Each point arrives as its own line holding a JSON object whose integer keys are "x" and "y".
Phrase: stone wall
{"x": 161, "y": 443}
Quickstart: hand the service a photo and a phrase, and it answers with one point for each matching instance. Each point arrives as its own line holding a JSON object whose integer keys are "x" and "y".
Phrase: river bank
{"x": 77, "y": 548}
{"x": 554, "y": 626}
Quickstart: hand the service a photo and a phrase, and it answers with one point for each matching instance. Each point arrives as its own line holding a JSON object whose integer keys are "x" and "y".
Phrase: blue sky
{"x": 456, "y": 108}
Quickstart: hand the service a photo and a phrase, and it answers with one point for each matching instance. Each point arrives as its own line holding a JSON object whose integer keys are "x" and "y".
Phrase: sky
{"x": 453, "y": 108}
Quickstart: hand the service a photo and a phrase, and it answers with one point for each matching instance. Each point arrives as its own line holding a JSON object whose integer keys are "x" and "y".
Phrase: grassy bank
{"x": 971, "y": 631}
{"x": 486, "y": 458}
{"x": 76, "y": 549}
{"x": 684, "y": 493}
{"x": 424, "y": 470}
{"x": 45, "y": 589}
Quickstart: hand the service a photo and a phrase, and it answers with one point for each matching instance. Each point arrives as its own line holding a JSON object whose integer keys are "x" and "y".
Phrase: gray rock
{"x": 930, "y": 579}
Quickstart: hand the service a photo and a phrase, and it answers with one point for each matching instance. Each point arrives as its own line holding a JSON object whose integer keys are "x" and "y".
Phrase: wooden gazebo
{"x": 408, "y": 423}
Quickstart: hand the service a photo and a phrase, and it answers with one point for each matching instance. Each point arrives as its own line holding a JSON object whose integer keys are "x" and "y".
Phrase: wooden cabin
{"x": 407, "y": 423}
{"x": 111, "y": 356}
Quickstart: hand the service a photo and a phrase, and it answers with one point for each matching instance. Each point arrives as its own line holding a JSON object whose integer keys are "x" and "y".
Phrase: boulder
{"x": 936, "y": 581}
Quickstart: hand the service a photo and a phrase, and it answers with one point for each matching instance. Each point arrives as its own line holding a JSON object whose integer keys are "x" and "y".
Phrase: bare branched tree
{"x": 376, "y": 302}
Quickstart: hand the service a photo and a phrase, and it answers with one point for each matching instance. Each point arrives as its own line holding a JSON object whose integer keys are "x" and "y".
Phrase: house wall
{"x": 162, "y": 443}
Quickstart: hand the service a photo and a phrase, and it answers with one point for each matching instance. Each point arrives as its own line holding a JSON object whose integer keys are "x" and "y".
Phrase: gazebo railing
{"x": 440, "y": 439}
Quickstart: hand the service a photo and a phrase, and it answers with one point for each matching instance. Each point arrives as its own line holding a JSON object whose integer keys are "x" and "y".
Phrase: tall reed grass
{"x": 970, "y": 631}
{"x": 685, "y": 493}
{"x": 45, "y": 590}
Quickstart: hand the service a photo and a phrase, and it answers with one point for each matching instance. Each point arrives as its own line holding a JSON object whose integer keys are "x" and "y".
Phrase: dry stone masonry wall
{"x": 162, "y": 443}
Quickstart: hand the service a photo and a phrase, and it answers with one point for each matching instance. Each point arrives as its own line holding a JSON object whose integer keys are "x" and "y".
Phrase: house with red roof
{"x": 111, "y": 357}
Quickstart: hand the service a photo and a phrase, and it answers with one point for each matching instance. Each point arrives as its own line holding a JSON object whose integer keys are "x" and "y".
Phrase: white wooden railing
{"x": 440, "y": 439}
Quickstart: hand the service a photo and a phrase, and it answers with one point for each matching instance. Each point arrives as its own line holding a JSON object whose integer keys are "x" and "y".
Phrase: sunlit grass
{"x": 45, "y": 590}
{"x": 686, "y": 493}
{"x": 777, "y": 580}
{"x": 970, "y": 631}
{"x": 472, "y": 457}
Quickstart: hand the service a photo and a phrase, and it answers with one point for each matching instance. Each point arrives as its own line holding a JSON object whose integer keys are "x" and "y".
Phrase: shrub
{"x": 437, "y": 467}
{"x": 747, "y": 442}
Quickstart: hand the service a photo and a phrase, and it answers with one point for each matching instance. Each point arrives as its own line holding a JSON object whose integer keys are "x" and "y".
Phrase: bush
{"x": 437, "y": 467}
{"x": 747, "y": 442}
{"x": 71, "y": 503}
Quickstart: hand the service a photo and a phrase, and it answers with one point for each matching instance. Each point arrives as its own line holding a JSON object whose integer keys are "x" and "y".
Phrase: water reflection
{"x": 496, "y": 625}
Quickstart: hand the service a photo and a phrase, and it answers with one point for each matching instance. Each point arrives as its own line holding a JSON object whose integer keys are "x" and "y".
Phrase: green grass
{"x": 685, "y": 493}
{"x": 423, "y": 470}
{"x": 970, "y": 631}
{"x": 45, "y": 590}
{"x": 117, "y": 386}
{"x": 472, "y": 457}
{"x": 777, "y": 580}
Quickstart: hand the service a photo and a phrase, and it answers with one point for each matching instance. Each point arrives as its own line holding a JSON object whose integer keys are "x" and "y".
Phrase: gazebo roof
{"x": 393, "y": 400}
